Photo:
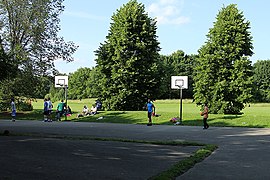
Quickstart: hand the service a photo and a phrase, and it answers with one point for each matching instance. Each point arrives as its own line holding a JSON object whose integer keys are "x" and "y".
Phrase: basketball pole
{"x": 179, "y": 82}
{"x": 180, "y": 106}
{"x": 66, "y": 102}
{"x": 180, "y": 113}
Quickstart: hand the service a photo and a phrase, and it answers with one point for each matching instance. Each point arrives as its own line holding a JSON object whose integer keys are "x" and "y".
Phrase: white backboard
{"x": 61, "y": 81}
{"x": 178, "y": 82}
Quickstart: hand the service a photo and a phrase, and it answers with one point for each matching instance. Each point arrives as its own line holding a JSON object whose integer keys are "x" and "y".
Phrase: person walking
{"x": 150, "y": 110}
{"x": 60, "y": 110}
{"x": 13, "y": 110}
{"x": 50, "y": 106}
{"x": 46, "y": 110}
{"x": 205, "y": 116}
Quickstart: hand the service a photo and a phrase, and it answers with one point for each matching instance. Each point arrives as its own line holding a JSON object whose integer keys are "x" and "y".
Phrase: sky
{"x": 181, "y": 25}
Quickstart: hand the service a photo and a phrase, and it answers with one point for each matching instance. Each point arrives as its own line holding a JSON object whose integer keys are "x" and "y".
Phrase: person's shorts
{"x": 149, "y": 115}
{"x": 13, "y": 113}
{"x": 46, "y": 112}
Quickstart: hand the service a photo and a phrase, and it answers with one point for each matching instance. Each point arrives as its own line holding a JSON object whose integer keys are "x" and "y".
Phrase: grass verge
{"x": 183, "y": 166}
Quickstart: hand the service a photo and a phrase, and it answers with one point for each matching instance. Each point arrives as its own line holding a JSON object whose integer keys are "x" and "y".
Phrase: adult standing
{"x": 60, "y": 110}
{"x": 50, "y": 106}
{"x": 150, "y": 110}
{"x": 45, "y": 110}
{"x": 205, "y": 116}
{"x": 13, "y": 110}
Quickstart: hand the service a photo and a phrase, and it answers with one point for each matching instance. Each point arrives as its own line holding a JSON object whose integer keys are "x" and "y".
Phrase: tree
{"x": 29, "y": 43}
{"x": 128, "y": 59}
{"x": 176, "y": 64}
{"x": 261, "y": 70}
{"x": 78, "y": 88}
{"x": 223, "y": 75}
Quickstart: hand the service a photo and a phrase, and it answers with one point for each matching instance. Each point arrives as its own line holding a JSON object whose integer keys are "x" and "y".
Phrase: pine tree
{"x": 128, "y": 59}
{"x": 223, "y": 72}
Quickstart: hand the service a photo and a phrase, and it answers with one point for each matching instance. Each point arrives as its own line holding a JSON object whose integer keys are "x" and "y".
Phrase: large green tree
{"x": 128, "y": 59}
{"x": 223, "y": 75}
{"x": 29, "y": 41}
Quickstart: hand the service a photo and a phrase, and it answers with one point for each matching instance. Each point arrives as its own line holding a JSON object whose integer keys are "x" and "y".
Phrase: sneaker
{"x": 13, "y": 120}
{"x": 149, "y": 124}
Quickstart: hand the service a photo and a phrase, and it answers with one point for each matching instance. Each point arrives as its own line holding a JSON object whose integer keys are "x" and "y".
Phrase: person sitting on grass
{"x": 93, "y": 110}
{"x": 85, "y": 112}
{"x": 69, "y": 112}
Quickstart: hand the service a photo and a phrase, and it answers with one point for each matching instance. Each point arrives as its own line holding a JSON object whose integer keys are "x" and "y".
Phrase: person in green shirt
{"x": 60, "y": 109}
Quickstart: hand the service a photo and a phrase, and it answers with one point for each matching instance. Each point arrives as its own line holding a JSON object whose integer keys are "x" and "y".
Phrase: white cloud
{"x": 168, "y": 12}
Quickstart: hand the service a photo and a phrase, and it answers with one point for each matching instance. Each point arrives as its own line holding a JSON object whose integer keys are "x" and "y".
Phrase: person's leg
{"x": 204, "y": 123}
{"x": 13, "y": 116}
{"x": 149, "y": 119}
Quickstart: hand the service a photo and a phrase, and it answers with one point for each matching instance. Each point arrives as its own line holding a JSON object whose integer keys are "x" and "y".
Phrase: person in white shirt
{"x": 13, "y": 110}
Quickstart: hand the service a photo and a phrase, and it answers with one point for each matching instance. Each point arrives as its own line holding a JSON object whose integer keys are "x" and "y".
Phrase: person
{"x": 69, "y": 112}
{"x": 50, "y": 106}
{"x": 205, "y": 116}
{"x": 13, "y": 110}
{"x": 60, "y": 110}
{"x": 85, "y": 112}
{"x": 98, "y": 104}
{"x": 150, "y": 110}
{"x": 46, "y": 110}
{"x": 93, "y": 110}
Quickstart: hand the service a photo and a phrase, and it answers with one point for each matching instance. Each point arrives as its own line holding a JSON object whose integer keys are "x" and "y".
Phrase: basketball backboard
{"x": 178, "y": 82}
{"x": 61, "y": 81}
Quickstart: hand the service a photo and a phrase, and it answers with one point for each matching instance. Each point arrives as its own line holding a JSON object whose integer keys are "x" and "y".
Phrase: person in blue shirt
{"x": 46, "y": 110}
{"x": 150, "y": 110}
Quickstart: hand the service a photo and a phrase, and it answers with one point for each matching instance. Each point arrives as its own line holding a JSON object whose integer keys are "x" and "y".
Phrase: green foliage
{"x": 24, "y": 106}
{"x": 128, "y": 59}
{"x": 84, "y": 83}
{"x": 261, "y": 70}
{"x": 176, "y": 64}
{"x": 78, "y": 88}
{"x": 223, "y": 73}
{"x": 29, "y": 44}
{"x": 56, "y": 94}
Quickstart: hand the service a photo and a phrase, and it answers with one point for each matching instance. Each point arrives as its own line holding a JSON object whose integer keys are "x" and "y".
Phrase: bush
{"x": 25, "y": 106}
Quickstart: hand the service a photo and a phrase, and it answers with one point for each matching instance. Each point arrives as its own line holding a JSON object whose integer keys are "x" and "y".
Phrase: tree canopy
{"x": 128, "y": 59}
{"x": 223, "y": 72}
{"x": 176, "y": 64}
{"x": 29, "y": 43}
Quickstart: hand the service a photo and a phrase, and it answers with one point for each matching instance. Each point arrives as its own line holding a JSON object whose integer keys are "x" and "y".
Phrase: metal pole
{"x": 180, "y": 113}
{"x": 66, "y": 102}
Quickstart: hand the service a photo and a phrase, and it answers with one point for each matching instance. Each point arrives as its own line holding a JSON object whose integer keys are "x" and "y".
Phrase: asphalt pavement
{"x": 243, "y": 153}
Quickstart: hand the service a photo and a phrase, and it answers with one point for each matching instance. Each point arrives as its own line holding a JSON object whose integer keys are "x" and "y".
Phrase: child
{"x": 13, "y": 110}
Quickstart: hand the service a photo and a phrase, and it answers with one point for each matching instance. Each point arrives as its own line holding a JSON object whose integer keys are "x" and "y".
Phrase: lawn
{"x": 254, "y": 116}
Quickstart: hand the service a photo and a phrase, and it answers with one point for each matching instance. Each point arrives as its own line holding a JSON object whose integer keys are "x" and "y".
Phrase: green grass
{"x": 254, "y": 116}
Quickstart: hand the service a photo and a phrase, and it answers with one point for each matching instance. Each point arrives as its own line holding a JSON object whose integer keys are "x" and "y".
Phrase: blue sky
{"x": 182, "y": 25}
